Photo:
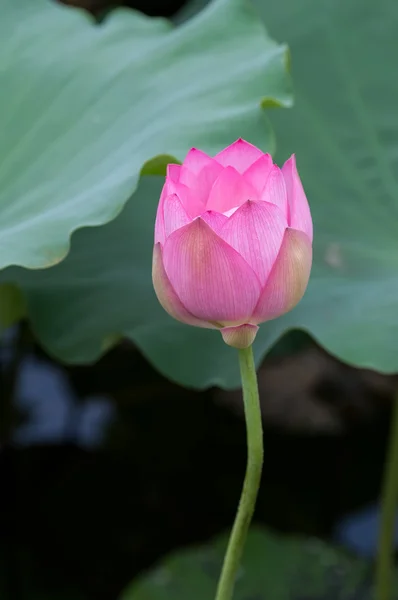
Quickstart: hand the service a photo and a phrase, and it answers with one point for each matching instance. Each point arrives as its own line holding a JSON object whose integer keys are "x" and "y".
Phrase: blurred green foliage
{"x": 274, "y": 567}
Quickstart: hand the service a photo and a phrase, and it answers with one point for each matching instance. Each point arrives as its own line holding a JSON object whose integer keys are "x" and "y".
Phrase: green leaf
{"x": 344, "y": 132}
{"x": 103, "y": 290}
{"x": 12, "y": 305}
{"x": 83, "y": 107}
{"x": 273, "y": 567}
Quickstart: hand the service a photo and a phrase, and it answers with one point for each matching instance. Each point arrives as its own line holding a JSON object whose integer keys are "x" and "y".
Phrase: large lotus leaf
{"x": 345, "y": 135}
{"x": 83, "y": 107}
{"x": 344, "y": 130}
{"x": 273, "y": 567}
{"x": 103, "y": 290}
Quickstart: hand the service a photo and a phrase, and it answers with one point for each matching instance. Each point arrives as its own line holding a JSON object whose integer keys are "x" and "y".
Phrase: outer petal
{"x": 211, "y": 279}
{"x": 299, "y": 211}
{"x": 257, "y": 173}
{"x": 160, "y": 235}
{"x": 274, "y": 190}
{"x": 195, "y": 160}
{"x": 175, "y": 215}
{"x": 256, "y": 231}
{"x": 288, "y": 279}
{"x": 240, "y": 155}
{"x": 166, "y": 294}
{"x": 229, "y": 190}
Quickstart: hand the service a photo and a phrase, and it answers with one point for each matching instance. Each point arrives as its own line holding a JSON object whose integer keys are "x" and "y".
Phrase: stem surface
{"x": 252, "y": 479}
{"x": 389, "y": 501}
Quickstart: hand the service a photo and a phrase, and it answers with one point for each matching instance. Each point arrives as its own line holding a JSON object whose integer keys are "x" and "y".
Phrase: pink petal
{"x": 188, "y": 198}
{"x": 195, "y": 160}
{"x": 240, "y": 336}
{"x": 299, "y": 210}
{"x": 240, "y": 155}
{"x": 160, "y": 235}
{"x": 256, "y": 231}
{"x": 206, "y": 179}
{"x": 166, "y": 294}
{"x": 214, "y": 219}
{"x": 288, "y": 279}
{"x": 275, "y": 190}
{"x": 175, "y": 215}
{"x": 230, "y": 189}
{"x": 201, "y": 183}
{"x": 173, "y": 172}
{"x": 187, "y": 176}
{"x": 211, "y": 279}
{"x": 257, "y": 173}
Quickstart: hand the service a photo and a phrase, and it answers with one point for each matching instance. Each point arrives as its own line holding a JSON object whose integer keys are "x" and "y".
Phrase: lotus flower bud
{"x": 233, "y": 241}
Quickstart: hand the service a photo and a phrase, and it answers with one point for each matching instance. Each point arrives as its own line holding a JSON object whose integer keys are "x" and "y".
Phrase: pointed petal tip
{"x": 240, "y": 140}
{"x": 239, "y": 336}
{"x": 240, "y": 154}
{"x": 196, "y": 160}
{"x": 214, "y": 219}
{"x": 291, "y": 161}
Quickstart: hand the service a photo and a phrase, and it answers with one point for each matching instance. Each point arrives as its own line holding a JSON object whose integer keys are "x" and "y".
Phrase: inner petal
{"x": 190, "y": 201}
{"x": 201, "y": 183}
{"x": 258, "y": 173}
{"x": 240, "y": 155}
{"x": 216, "y": 220}
{"x": 195, "y": 160}
{"x": 230, "y": 190}
{"x": 274, "y": 190}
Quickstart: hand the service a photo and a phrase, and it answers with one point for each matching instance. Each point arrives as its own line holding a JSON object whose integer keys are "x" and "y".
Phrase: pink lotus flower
{"x": 233, "y": 241}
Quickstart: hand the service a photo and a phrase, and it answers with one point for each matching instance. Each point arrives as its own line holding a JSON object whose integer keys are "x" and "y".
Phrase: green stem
{"x": 252, "y": 479}
{"x": 389, "y": 502}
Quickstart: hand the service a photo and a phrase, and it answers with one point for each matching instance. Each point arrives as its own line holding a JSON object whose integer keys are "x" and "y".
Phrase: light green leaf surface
{"x": 103, "y": 290}
{"x": 274, "y": 567}
{"x": 344, "y": 131}
{"x": 83, "y": 107}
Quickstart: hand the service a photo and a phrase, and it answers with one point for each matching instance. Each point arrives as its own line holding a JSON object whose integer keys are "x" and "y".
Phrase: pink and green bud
{"x": 233, "y": 241}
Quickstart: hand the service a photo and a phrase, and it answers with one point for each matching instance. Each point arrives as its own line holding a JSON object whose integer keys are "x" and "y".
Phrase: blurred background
{"x": 110, "y": 467}
{"x": 106, "y": 470}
